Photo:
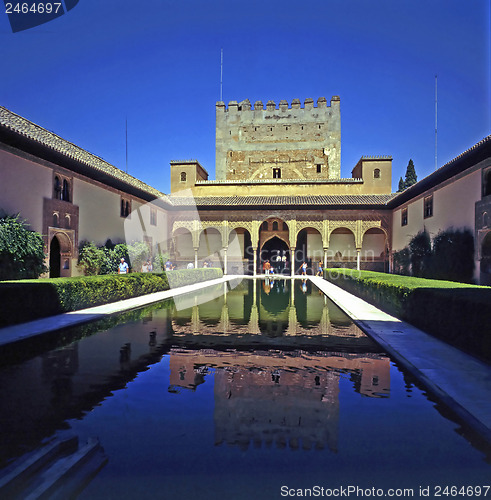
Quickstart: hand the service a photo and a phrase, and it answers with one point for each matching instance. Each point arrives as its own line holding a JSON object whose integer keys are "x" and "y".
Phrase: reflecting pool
{"x": 235, "y": 394}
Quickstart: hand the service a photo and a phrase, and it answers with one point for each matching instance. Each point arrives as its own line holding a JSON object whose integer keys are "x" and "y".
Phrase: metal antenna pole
{"x": 221, "y": 74}
{"x": 436, "y": 122}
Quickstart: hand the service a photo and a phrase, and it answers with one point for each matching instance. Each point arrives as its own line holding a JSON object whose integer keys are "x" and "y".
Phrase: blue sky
{"x": 157, "y": 64}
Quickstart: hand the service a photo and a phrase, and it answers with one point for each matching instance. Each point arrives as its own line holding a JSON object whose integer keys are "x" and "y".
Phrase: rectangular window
{"x": 404, "y": 217}
{"x": 428, "y": 207}
{"x": 319, "y": 168}
{"x": 276, "y": 173}
{"x": 153, "y": 217}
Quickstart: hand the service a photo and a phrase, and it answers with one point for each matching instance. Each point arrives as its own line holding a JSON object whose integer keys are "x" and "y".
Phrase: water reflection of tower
{"x": 59, "y": 366}
{"x": 290, "y": 399}
{"x": 288, "y": 408}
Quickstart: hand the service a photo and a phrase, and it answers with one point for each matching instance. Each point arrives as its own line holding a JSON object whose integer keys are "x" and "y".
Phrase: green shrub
{"x": 455, "y": 312}
{"x": 402, "y": 262}
{"x": 420, "y": 253}
{"x": 449, "y": 256}
{"x": 26, "y": 300}
{"x": 93, "y": 260}
{"x": 452, "y": 256}
{"x": 182, "y": 277}
{"x": 21, "y": 250}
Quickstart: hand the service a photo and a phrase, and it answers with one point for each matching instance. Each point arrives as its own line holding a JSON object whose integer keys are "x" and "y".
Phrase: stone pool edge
{"x": 24, "y": 331}
{"x": 460, "y": 381}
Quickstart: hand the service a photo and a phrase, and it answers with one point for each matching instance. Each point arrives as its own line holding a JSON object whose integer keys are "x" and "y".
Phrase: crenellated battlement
{"x": 377, "y": 157}
{"x": 269, "y": 140}
{"x": 245, "y": 105}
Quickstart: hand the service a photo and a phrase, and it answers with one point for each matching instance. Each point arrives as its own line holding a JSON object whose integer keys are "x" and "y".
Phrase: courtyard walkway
{"x": 461, "y": 381}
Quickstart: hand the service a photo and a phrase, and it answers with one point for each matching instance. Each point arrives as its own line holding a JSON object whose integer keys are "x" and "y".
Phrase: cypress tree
{"x": 411, "y": 177}
{"x": 401, "y": 186}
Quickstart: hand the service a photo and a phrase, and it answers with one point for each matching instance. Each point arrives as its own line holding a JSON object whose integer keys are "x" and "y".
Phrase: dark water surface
{"x": 236, "y": 395}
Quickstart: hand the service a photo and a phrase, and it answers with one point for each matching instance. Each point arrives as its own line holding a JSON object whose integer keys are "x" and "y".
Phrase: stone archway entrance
{"x": 274, "y": 243}
{"x": 60, "y": 253}
{"x": 54, "y": 258}
{"x": 273, "y": 250}
{"x": 486, "y": 260}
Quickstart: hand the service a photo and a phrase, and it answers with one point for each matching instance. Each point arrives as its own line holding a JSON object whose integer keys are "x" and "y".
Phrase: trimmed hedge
{"x": 26, "y": 300}
{"x": 458, "y": 313}
{"x": 182, "y": 277}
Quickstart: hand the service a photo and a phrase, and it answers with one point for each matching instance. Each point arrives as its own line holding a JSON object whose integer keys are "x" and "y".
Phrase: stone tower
{"x": 288, "y": 142}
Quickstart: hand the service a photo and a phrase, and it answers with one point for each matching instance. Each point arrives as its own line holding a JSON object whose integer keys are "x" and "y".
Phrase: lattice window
{"x": 125, "y": 207}
{"x": 428, "y": 206}
{"x": 404, "y": 217}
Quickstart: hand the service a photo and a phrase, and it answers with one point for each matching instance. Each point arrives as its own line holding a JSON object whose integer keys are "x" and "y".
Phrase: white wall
{"x": 453, "y": 206}
{"x": 23, "y": 186}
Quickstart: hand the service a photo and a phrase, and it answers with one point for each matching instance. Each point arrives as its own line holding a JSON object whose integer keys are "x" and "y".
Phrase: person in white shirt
{"x": 123, "y": 267}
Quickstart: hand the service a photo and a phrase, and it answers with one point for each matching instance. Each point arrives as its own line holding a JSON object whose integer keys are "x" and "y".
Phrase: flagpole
{"x": 221, "y": 74}
{"x": 436, "y": 122}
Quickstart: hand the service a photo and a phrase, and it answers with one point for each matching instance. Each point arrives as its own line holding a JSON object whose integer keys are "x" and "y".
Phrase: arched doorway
{"x": 486, "y": 260}
{"x": 274, "y": 244}
{"x": 342, "y": 248}
{"x": 240, "y": 251}
{"x": 183, "y": 247}
{"x": 373, "y": 250}
{"x": 210, "y": 247}
{"x": 273, "y": 250}
{"x": 54, "y": 258}
{"x": 308, "y": 249}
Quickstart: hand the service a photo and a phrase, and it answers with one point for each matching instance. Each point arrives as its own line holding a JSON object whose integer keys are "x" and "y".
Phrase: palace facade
{"x": 278, "y": 196}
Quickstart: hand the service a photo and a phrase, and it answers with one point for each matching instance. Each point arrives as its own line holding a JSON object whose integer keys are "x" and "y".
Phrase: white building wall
{"x": 99, "y": 213}
{"x": 100, "y": 217}
{"x": 453, "y": 206}
{"x": 23, "y": 186}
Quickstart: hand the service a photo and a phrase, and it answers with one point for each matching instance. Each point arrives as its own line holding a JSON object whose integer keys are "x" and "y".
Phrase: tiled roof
{"x": 252, "y": 201}
{"x": 349, "y": 180}
{"x": 470, "y": 157}
{"x": 49, "y": 139}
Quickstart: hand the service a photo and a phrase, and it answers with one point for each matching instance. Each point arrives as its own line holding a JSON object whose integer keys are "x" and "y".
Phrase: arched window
{"x": 276, "y": 173}
{"x": 67, "y": 221}
{"x": 275, "y": 225}
{"x": 376, "y": 173}
{"x": 65, "y": 194}
{"x": 265, "y": 225}
{"x": 487, "y": 183}
{"x": 55, "y": 219}
{"x": 57, "y": 188}
{"x": 183, "y": 176}
{"x": 125, "y": 207}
